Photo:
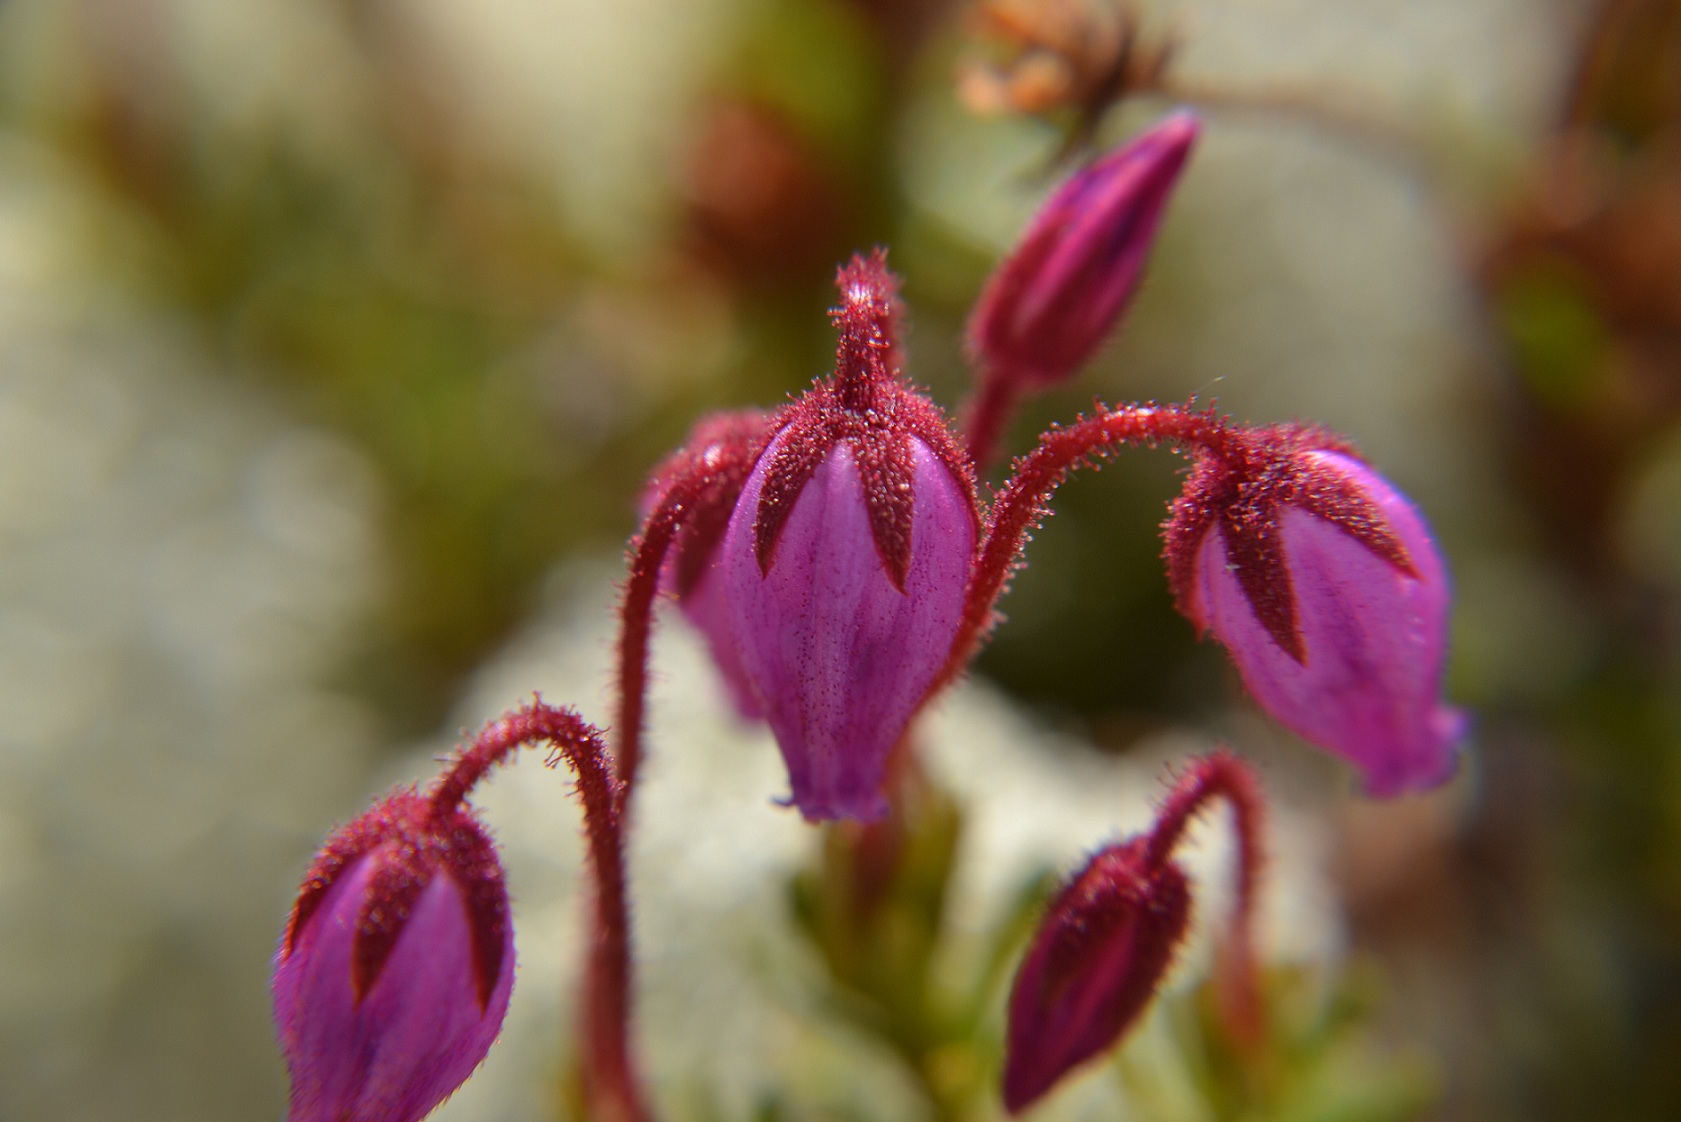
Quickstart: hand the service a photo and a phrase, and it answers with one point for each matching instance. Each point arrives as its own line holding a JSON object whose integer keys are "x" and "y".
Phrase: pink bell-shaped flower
{"x": 1325, "y": 585}
{"x": 845, "y": 560}
{"x": 1096, "y": 961}
{"x": 1052, "y": 302}
{"x": 393, "y": 974}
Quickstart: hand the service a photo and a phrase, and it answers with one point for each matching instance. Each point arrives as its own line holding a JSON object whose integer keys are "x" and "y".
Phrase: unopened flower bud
{"x": 845, "y": 561}
{"x": 1095, "y": 962}
{"x": 1109, "y": 937}
{"x": 1325, "y": 585}
{"x": 1054, "y": 300}
{"x": 393, "y": 974}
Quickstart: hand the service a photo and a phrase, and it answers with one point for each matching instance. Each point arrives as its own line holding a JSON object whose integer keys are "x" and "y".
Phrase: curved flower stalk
{"x": 1111, "y": 933}
{"x": 394, "y": 972}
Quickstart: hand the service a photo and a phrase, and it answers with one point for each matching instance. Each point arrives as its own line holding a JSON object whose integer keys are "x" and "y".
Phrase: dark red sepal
{"x": 397, "y": 883}
{"x": 1241, "y": 482}
{"x": 340, "y": 851}
{"x": 410, "y": 845}
{"x": 712, "y": 466}
{"x": 867, "y": 404}
{"x": 473, "y": 864}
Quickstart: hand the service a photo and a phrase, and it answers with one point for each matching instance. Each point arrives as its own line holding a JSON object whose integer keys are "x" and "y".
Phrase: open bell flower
{"x": 845, "y": 560}
{"x": 1324, "y": 584}
{"x": 393, "y": 974}
{"x": 1052, "y": 302}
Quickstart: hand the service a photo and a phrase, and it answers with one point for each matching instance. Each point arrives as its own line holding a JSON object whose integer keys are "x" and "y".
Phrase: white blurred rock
{"x": 180, "y": 566}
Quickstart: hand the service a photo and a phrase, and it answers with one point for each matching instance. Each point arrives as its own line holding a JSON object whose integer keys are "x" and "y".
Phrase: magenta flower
{"x": 1324, "y": 584}
{"x": 393, "y": 974}
{"x": 1052, "y": 302}
{"x": 845, "y": 561}
{"x": 1099, "y": 955}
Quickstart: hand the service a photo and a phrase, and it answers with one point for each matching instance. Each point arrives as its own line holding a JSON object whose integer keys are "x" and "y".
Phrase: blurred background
{"x": 331, "y": 331}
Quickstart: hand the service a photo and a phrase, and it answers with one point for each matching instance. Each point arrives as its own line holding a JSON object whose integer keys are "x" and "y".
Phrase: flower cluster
{"x": 840, "y": 561}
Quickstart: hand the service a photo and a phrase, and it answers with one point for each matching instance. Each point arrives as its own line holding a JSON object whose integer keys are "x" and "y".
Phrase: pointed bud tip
{"x": 866, "y": 279}
{"x": 1178, "y": 130}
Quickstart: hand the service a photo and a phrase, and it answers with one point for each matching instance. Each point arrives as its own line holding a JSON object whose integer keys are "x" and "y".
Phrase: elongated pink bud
{"x": 1325, "y": 585}
{"x": 1095, "y": 963}
{"x": 393, "y": 974}
{"x": 845, "y": 561}
{"x": 1052, "y": 302}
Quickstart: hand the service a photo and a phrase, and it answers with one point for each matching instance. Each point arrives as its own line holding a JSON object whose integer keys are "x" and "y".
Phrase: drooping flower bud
{"x": 1052, "y": 302}
{"x": 1109, "y": 937}
{"x": 394, "y": 971}
{"x": 845, "y": 560}
{"x": 1325, "y": 585}
{"x": 1095, "y": 962}
{"x": 707, "y": 474}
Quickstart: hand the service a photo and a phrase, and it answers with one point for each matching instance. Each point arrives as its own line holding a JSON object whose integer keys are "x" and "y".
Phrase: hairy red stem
{"x": 636, "y": 625}
{"x": 1022, "y": 504}
{"x": 1222, "y": 775}
{"x": 611, "y": 1083}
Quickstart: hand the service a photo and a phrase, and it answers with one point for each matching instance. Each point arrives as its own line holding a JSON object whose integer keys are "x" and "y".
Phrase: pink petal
{"x": 707, "y": 610}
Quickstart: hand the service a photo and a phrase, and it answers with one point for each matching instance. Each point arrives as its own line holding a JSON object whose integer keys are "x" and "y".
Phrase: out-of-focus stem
{"x": 1223, "y": 776}
{"x": 1317, "y": 108}
{"x": 987, "y": 417}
